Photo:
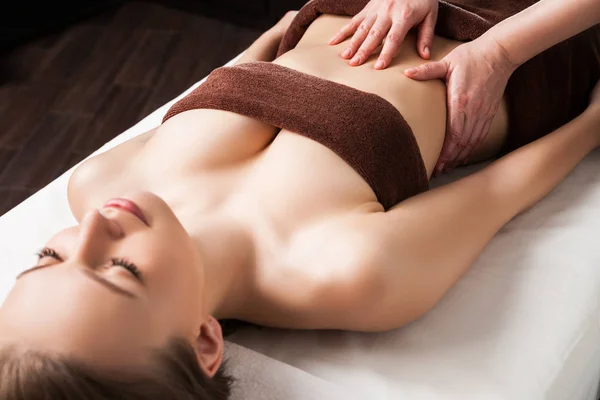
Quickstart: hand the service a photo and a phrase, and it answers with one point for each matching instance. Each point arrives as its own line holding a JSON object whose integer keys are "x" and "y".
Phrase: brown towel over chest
{"x": 368, "y": 132}
{"x": 364, "y": 129}
{"x": 543, "y": 94}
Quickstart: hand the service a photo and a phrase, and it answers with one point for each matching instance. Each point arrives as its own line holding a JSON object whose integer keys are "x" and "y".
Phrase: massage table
{"x": 523, "y": 323}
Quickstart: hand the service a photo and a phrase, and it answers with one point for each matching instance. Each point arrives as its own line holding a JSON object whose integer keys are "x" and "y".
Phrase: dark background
{"x": 75, "y": 75}
{"x": 23, "y": 20}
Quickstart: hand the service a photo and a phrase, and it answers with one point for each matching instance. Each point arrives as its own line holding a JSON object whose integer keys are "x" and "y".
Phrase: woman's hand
{"x": 388, "y": 22}
{"x": 476, "y": 74}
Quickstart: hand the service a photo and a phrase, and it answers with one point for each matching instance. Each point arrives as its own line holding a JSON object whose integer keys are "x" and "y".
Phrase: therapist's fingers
{"x": 442, "y": 163}
{"x": 468, "y": 134}
{"x": 359, "y": 36}
{"x": 349, "y": 29}
{"x": 430, "y": 70}
{"x": 486, "y": 131}
{"x": 454, "y": 133}
{"x": 480, "y": 132}
{"x": 425, "y": 36}
{"x": 468, "y": 147}
{"x": 393, "y": 40}
{"x": 374, "y": 39}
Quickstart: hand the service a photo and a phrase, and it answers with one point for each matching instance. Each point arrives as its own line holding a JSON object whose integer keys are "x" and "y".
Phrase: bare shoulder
{"x": 325, "y": 281}
{"x": 90, "y": 180}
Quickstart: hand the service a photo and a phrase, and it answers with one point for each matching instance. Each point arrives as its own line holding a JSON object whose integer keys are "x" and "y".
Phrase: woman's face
{"x": 111, "y": 287}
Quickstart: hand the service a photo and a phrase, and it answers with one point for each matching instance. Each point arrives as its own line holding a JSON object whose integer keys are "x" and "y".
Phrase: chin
{"x": 151, "y": 204}
{"x": 147, "y": 200}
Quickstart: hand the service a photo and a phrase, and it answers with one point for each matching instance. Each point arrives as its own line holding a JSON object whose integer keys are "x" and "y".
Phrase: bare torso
{"x": 208, "y": 162}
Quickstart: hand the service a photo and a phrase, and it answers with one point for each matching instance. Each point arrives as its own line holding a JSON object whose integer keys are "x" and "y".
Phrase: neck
{"x": 227, "y": 254}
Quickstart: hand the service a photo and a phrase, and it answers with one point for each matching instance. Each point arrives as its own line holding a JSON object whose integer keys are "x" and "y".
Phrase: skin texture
{"x": 389, "y": 21}
{"x": 476, "y": 73}
{"x": 61, "y": 306}
{"x": 240, "y": 228}
{"x": 475, "y": 90}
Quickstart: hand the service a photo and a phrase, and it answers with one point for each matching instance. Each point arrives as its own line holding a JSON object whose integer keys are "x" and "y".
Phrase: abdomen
{"x": 422, "y": 104}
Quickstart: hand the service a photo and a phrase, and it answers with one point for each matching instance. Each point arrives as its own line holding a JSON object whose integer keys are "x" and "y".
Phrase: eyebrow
{"x": 95, "y": 277}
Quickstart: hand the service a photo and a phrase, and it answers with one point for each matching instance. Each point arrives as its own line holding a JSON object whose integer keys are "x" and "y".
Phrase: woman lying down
{"x": 288, "y": 192}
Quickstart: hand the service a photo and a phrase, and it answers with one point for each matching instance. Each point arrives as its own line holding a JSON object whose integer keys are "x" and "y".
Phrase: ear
{"x": 209, "y": 346}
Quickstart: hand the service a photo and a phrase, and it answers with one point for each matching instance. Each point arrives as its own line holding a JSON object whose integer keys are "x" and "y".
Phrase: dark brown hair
{"x": 174, "y": 374}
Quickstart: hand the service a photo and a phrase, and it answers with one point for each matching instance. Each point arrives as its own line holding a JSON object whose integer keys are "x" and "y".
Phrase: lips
{"x": 129, "y": 206}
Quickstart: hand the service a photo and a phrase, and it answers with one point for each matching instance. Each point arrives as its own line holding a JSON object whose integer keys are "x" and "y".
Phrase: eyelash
{"x": 48, "y": 252}
{"x": 121, "y": 262}
{"x": 135, "y": 271}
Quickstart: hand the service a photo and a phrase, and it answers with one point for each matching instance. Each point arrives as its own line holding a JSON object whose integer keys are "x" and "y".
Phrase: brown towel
{"x": 362, "y": 128}
{"x": 367, "y": 131}
{"x": 459, "y": 20}
{"x": 543, "y": 94}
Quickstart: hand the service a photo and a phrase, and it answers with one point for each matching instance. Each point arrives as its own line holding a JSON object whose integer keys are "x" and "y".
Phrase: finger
{"x": 425, "y": 36}
{"x": 454, "y": 128}
{"x": 467, "y": 138}
{"x": 485, "y": 131}
{"x": 431, "y": 70}
{"x": 447, "y": 150}
{"x": 349, "y": 28}
{"x": 359, "y": 36}
{"x": 443, "y": 157}
{"x": 374, "y": 39}
{"x": 453, "y": 158}
{"x": 457, "y": 120}
{"x": 393, "y": 40}
{"x": 451, "y": 162}
{"x": 443, "y": 161}
{"x": 466, "y": 151}
{"x": 477, "y": 143}
{"x": 479, "y": 134}
{"x": 461, "y": 157}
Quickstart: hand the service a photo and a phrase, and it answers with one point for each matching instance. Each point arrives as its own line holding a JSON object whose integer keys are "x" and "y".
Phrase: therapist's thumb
{"x": 425, "y": 72}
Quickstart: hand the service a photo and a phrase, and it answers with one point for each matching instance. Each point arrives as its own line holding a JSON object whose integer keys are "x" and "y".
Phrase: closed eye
{"x": 48, "y": 252}
{"x": 117, "y": 262}
{"x": 135, "y": 271}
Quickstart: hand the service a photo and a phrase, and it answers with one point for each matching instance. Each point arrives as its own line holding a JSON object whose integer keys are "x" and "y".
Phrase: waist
{"x": 422, "y": 104}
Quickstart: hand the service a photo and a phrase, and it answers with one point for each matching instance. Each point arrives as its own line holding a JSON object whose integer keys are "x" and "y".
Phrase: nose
{"x": 96, "y": 233}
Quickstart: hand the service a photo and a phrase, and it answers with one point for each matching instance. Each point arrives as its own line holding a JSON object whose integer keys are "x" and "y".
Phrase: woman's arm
{"x": 265, "y": 47}
{"x": 544, "y": 24}
{"x": 422, "y": 246}
{"x": 381, "y": 270}
{"x": 426, "y": 243}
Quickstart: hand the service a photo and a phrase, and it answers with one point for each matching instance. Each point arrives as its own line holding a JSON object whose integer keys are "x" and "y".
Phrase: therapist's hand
{"x": 388, "y": 21}
{"x": 476, "y": 75}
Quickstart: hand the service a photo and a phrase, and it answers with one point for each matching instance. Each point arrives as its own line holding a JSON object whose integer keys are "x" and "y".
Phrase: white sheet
{"x": 522, "y": 324}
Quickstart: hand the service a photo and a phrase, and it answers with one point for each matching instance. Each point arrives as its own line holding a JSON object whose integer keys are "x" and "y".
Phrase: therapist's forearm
{"x": 264, "y": 48}
{"x": 544, "y": 24}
